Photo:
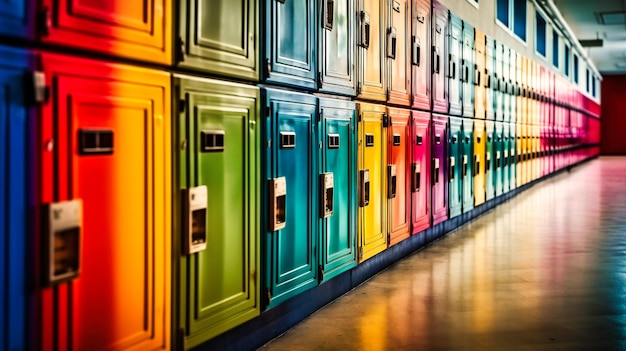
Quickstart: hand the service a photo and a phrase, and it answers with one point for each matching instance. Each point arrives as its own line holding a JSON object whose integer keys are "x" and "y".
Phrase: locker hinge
{"x": 268, "y": 296}
{"x": 360, "y": 254}
{"x": 385, "y": 120}
{"x": 268, "y": 67}
{"x": 388, "y": 93}
{"x": 180, "y": 49}
{"x": 37, "y": 90}
{"x": 320, "y": 273}
{"x": 388, "y": 238}
{"x": 319, "y": 115}
{"x": 358, "y": 88}
{"x": 320, "y": 80}
{"x": 180, "y": 341}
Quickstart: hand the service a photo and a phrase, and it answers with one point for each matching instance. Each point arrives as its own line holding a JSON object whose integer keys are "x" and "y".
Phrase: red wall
{"x": 613, "y": 115}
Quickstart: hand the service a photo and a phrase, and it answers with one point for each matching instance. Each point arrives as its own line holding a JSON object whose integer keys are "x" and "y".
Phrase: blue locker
{"x": 17, "y": 18}
{"x": 468, "y": 70}
{"x": 337, "y": 46}
{"x": 453, "y": 67}
{"x": 455, "y": 167}
{"x": 16, "y": 184}
{"x": 467, "y": 164}
{"x": 338, "y": 187}
{"x": 291, "y": 43}
{"x": 490, "y": 161}
{"x": 291, "y": 189}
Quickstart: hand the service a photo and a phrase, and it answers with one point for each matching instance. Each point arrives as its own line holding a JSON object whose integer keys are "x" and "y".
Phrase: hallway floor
{"x": 544, "y": 271}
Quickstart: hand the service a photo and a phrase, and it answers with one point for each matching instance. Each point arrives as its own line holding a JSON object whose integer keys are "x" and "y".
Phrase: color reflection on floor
{"x": 544, "y": 271}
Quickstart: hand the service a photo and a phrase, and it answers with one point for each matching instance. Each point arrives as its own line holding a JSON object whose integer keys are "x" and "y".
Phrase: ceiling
{"x": 599, "y": 19}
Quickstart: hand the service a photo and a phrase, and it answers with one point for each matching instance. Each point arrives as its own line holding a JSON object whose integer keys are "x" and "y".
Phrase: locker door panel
{"x": 439, "y": 167}
{"x": 506, "y": 84}
{"x": 420, "y": 182}
{"x": 291, "y": 52}
{"x": 290, "y": 251}
{"x": 512, "y": 156}
{"x": 397, "y": 52}
{"x": 220, "y": 37}
{"x": 499, "y": 82}
{"x": 373, "y": 158}
{"x": 514, "y": 86}
{"x": 453, "y": 64}
{"x": 480, "y": 140}
{"x": 467, "y": 71}
{"x": 371, "y": 39}
{"x": 505, "y": 158}
{"x": 480, "y": 78}
{"x": 16, "y": 18}
{"x": 520, "y": 99}
{"x": 490, "y": 79}
{"x": 455, "y": 164}
{"x": 125, "y": 269}
{"x": 337, "y": 58}
{"x": 490, "y": 161}
{"x": 419, "y": 53}
{"x": 338, "y": 232}
{"x": 439, "y": 58}
{"x": 133, "y": 29}
{"x": 519, "y": 170}
{"x": 467, "y": 170}
{"x": 499, "y": 158}
{"x": 399, "y": 156}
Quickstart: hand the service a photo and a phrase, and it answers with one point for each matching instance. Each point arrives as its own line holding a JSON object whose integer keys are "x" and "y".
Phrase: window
{"x": 587, "y": 85}
{"x": 575, "y": 68}
{"x": 540, "y": 32}
{"x": 512, "y": 15}
{"x": 473, "y": 2}
{"x": 555, "y": 49}
{"x": 593, "y": 87}
{"x": 566, "y": 61}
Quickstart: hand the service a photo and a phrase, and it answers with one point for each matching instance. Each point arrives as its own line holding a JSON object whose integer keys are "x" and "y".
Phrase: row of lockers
{"x": 257, "y": 194}
{"x": 407, "y": 53}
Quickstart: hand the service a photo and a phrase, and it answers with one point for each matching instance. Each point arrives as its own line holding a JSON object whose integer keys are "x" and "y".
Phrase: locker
{"x": 399, "y": 174}
{"x": 505, "y": 86}
{"x": 16, "y": 19}
{"x": 498, "y": 144}
{"x": 421, "y": 171}
{"x": 371, "y": 51}
{"x": 455, "y": 167}
{"x": 139, "y": 30}
{"x": 521, "y": 93}
{"x": 372, "y": 159}
{"x": 480, "y": 166}
{"x": 219, "y": 37}
{"x": 16, "y": 173}
{"x": 527, "y": 162}
{"x": 291, "y": 262}
{"x": 536, "y": 148}
{"x": 398, "y": 51}
{"x": 520, "y": 170}
{"x": 480, "y": 78}
{"x": 439, "y": 58}
{"x": 220, "y": 123}
{"x": 439, "y": 165}
{"x": 505, "y": 155}
{"x": 337, "y": 45}
{"x": 467, "y": 164}
{"x": 110, "y": 152}
{"x": 513, "y": 86}
{"x": 454, "y": 37}
{"x": 468, "y": 71}
{"x": 490, "y": 160}
{"x": 420, "y": 60}
{"x": 499, "y": 82}
{"x": 491, "y": 78}
{"x": 290, "y": 44}
{"x": 338, "y": 200}
{"x": 512, "y": 147}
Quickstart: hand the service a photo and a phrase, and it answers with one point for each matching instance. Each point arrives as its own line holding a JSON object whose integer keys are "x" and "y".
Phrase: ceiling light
{"x": 611, "y": 18}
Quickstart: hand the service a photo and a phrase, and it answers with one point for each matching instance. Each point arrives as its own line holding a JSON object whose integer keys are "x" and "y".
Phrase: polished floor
{"x": 544, "y": 271}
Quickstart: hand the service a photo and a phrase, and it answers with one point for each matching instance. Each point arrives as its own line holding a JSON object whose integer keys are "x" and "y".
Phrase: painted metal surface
{"x": 337, "y": 58}
{"x": 468, "y": 71}
{"x": 481, "y": 79}
{"x": 454, "y": 38}
{"x": 499, "y": 82}
{"x": 439, "y": 165}
{"x": 439, "y": 58}
{"x": 480, "y": 166}
{"x": 371, "y": 54}
{"x": 124, "y": 185}
{"x": 498, "y": 150}
{"x": 505, "y": 86}
{"x": 17, "y": 18}
{"x": 421, "y": 171}
{"x": 520, "y": 170}
{"x": 491, "y": 78}
{"x": 399, "y": 174}
{"x": 337, "y": 233}
{"x": 230, "y": 171}
{"x": 291, "y": 44}
{"x": 420, "y": 54}
{"x": 506, "y": 164}
{"x": 455, "y": 167}
{"x": 219, "y": 37}
{"x": 513, "y": 86}
{"x": 467, "y": 164}
{"x": 512, "y": 147}
{"x": 291, "y": 262}
{"x": 490, "y": 161}
{"x": 372, "y": 161}
{"x": 398, "y": 52}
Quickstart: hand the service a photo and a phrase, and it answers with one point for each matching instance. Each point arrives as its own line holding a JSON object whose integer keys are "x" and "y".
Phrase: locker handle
{"x": 465, "y": 73}
{"x": 416, "y": 177}
{"x": 391, "y": 184}
{"x": 476, "y": 165}
{"x": 62, "y": 239}
{"x": 416, "y": 53}
{"x": 391, "y": 43}
{"x": 329, "y": 14}
{"x": 487, "y": 162}
{"x": 452, "y": 66}
{"x": 196, "y": 203}
{"x": 364, "y": 187}
{"x": 476, "y": 75}
{"x": 327, "y": 187}
{"x": 451, "y": 165}
{"x": 278, "y": 203}
{"x": 435, "y": 166}
{"x": 435, "y": 60}
{"x": 365, "y": 30}
{"x": 488, "y": 80}
{"x": 465, "y": 164}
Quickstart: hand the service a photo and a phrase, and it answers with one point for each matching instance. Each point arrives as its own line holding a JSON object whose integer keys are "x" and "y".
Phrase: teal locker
{"x": 490, "y": 161}
{"x": 506, "y": 84}
{"x": 468, "y": 70}
{"x": 455, "y": 167}
{"x": 467, "y": 171}
{"x": 337, "y": 47}
{"x": 499, "y": 158}
{"x": 453, "y": 67}
{"x": 512, "y": 156}
{"x": 291, "y": 183}
{"x": 338, "y": 187}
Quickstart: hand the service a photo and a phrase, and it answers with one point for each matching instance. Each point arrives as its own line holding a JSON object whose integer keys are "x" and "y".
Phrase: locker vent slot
{"x": 212, "y": 140}
{"x": 287, "y": 140}
{"x": 369, "y": 140}
{"x": 419, "y": 140}
{"x": 333, "y": 141}
{"x": 396, "y": 140}
{"x": 95, "y": 141}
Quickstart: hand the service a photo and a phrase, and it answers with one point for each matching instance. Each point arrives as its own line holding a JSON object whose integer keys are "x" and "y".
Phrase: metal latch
{"x": 63, "y": 222}
{"x": 278, "y": 203}
{"x": 435, "y": 171}
{"x": 416, "y": 177}
{"x": 327, "y": 187}
{"x": 364, "y": 187}
{"x": 196, "y": 202}
{"x": 391, "y": 181}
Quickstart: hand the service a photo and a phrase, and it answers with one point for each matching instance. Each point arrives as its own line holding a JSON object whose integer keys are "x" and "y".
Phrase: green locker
{"x": 506, "y": 149}
{"x": 338, "y": 187}
{"x": 337, "y": 47}
{"x": 490, "y": 161}
{"x": 219, "y": 37}
{"x": 512, "y": 156}
{"x": 455, "y": 167}
{"x": 217, "y": 214}
{"x": 291, "y": 204}
{"x": 467, "y": 171}
{"x": 499, "y": 156}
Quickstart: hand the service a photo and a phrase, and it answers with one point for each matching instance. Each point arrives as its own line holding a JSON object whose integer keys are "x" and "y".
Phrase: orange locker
{"x": 399, "y": 174}
{"x": 371, "y": 56}
{"x": 105, "y": 146}
{"x": 480, "y": 79}
{"x": 398, "y": 53}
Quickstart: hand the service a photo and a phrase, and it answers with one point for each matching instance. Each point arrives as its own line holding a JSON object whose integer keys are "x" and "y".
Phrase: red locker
{"x": 399, "y": 174}
{"x": 105, "y": 140}
{"x": 420, "y": 171}
{"x": 420, "y": 58}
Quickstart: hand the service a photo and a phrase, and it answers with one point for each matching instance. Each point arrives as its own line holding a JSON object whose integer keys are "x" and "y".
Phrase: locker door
{"x": 398, "y": 52}
{"x": 439, "y": 58}
{"x": 290, "y": 43}
{"x": 505, "y": 158}
{"x": 371, "y": 40}
{"x": 498, "y": 153}
{"x": 480, "y": 78}
{"x": 480, "y": 168}
{"x": 453, "y": 64}
{"x": 338, "y": 228}
{"x": 512, "y": 156}
{"x": 520, "y": 103}
{"x": 291, "y": 241}
{"x": 527, "y": 169}
{"x": 491, "y": 79}
{"x": 16, "y": 18}
{"x": 219, "y": 37}
{"x": 490, "y": 161}
{"x": 468, "y": 71}
{"x": 506, "y": 84}
{"x": 467, "y": 164}
{"x": 221, "y": 126}
{"x": 399, "y": 174}
{"x": 499, "y": 81}
{"x": 513, "y": 86}
{"x": 372, "y": 180}
{"x": 439, "y": 166}
{"x": 111, "y": 151}
{"x": 139, "y": 30}
{"x": 455, "y": 167}
{"x": 421, "y": 171}
{"x": 420, "y": 59}
{"x": 15, "y": 191}
{"x": 337, "y": 58}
